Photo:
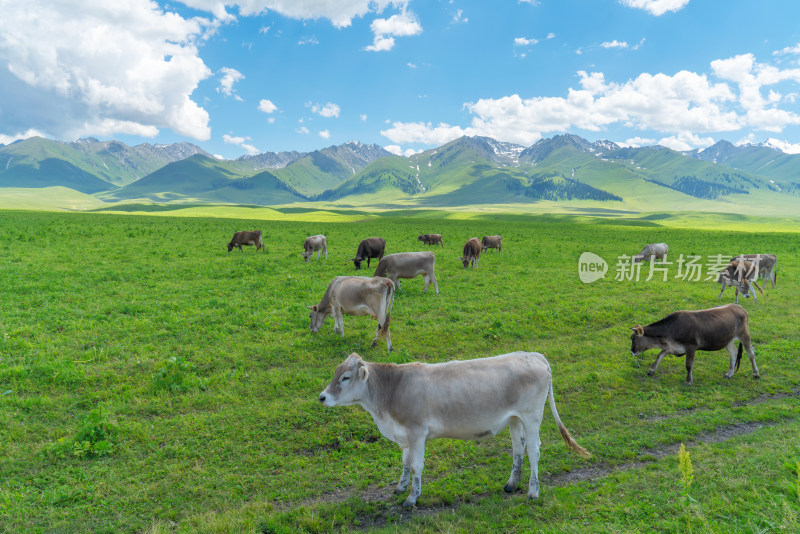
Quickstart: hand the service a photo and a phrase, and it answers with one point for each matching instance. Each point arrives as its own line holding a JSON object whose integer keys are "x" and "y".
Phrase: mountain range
{"x": 466, "y": 171}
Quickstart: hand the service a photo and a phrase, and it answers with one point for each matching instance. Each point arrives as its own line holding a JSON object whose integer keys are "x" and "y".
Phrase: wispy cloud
{"x": 656, "y": 7}
{"x": 267, "y": 106}
{"x": 328, "y": 110}
{"x": 229, "y": 78}
{"x": 242, "y": 142}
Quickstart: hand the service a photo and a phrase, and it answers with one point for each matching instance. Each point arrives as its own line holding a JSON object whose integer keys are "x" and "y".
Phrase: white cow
{"x": 409, "y": 265}
{"x": 315, "y": 243}
{"x": 657, "y": 251}
{"x": 472, "y": 399}
{"x": 355, "y": 295}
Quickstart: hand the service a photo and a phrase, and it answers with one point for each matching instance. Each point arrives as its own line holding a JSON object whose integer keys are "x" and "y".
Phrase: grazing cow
{"x": 492, "y": 241}
{"x": 766, "y": 263}
{"x": 372, "y": 247}
{"x": 315, "y": 243}
{"x": 685, "y": 332}
{"x": 247, "y": 238}
{"x": 740, "y": 274}
{"x": 409, "y": 265}
{"x": 355, "y": 295}
{"x": 471, "y": 399}
{"x": 472, "y": 253}
{"x": 431, "y": 239}
{"x": 652, "y": 251}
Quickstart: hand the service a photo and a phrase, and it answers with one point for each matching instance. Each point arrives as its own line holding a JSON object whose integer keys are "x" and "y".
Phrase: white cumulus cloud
{"x": 656, "y": 7}
{"x": 328, "y": 110}
{"x": 242, "y": 142}
{"x": 325, "y": 134}
{"x": 267, "y": 106}
{"x": 524, "y": 41}
{"x": 8, "y": 139}
{"x": 88, "y": 68}
{"x": 614, "y": 44}
{"x": 385, "y": 30}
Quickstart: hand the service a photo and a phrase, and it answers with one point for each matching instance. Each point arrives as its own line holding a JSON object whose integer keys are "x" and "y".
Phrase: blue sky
{"x": 271, "y": 75}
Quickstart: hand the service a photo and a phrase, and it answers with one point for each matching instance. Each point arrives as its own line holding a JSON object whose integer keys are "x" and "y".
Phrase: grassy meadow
{"x": 150, "y": 381}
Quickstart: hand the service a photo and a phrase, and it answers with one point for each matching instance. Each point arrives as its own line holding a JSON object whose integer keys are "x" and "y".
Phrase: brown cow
{"x": 372, "y": 247}
{"x": 355, "y": 295}
{"x": 687, "y": 331}
{"x": 431, "y": 239}
{"x": 472, "y": 253}
{"x": 247, "y": 238}
{"x": 766, "y": 263}
{"x": 740, "y": 274}
{"x": 409, "y": 265}
{"x": 492, "y": 241}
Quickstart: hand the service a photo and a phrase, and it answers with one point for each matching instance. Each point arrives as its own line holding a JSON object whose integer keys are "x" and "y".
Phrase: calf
{"x": 355, "y": 295}
{"x": 472, "y": 253}
{"x": 431, "y": 239}
{"x": 653, "y": 251}
{"x": 372, "y": 247}
{"x": 247, "y": 238}
{"x": 685, "y": 332}
{"x": 315, "y": 243}
{"x": 409, "y": 265}
{"x": 492, "y": 241}
{"x": 472, "y": 399}
{"x": 766, "y": 263}
{"x": 740, "y": 274}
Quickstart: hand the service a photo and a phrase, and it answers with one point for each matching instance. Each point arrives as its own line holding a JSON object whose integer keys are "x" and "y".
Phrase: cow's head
{"x": 306, "y": 255}
{"x": 419, "y": 238}
{"x": 465, "y": 261}
{"x": 639, "y": 341}
{"x": 349, "y": 384}
{"x": 357, "y": 262}
{"x": 317, "y": 316}
{"x": 230, "y": 246}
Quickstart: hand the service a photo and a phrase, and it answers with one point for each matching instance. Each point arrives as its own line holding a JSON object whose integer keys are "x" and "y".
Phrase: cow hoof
{"x": 408, "y": 505}
{"x": 756, "y": 377}
{"x": 374, "y": 344}
{"x": 533, "y": 497}
{"x": 509, "y": 488}
{"x": 651, "y": 373}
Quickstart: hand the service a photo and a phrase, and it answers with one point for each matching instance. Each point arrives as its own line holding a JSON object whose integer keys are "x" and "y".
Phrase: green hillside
{"x": 314, "y": 173}
{"x": 206, "y": 179}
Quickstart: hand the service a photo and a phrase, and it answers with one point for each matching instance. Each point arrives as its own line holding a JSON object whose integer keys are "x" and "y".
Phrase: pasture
{"x": 150, "y": 381}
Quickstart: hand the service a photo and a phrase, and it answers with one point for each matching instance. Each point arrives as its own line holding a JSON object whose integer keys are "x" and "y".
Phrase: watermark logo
{"x": 591, "y": 267}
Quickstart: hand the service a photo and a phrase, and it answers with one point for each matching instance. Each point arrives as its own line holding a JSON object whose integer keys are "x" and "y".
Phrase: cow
{"x": 247, "y": 238}
{"x": 409, "y": 265}
{"x": 687, "y": 331}
{"x": 372, "y": 247}
{"x": 652, "y": 251}
{"x": 355, "y": 295}
{"x": 472, "y": 253}
{"x": 492, "y": 241}
{"x": 766, "y": 263}
{"x": 315, "y": 243}
{"x": 740, "y": 274}
{"x": 468, "y": 399}
{"x": 431, "y": 239}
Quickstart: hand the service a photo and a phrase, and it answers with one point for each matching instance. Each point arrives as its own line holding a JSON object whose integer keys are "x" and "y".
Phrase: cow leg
{"x": 748, "y": 346}
{"x": 432, "y": 276}
{"x": 532, "y": 433}
{"x": 736, "y": 300}
{"x": 338, "y": 320}
{"x": 405, "y": 477}
{"x": 721, "y": 291}
{"x": 518, "y": 454}
{"x": 653, "y": 367}
{"x": 732, "y": 353}
{"x": 416, "y": 460}
{"x": 689, "y": 365}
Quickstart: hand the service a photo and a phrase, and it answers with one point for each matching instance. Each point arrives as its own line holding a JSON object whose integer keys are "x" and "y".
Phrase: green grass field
{"x": 150, "y": 381}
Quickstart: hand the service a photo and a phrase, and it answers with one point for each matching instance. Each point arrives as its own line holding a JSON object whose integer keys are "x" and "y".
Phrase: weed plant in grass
{"x": 202, "y": 362}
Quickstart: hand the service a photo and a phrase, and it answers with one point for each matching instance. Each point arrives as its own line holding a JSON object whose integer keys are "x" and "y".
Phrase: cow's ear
{"x": 314, "y": 308}
{"x": 363, "y": 373}
{"x": 638, "y": 329}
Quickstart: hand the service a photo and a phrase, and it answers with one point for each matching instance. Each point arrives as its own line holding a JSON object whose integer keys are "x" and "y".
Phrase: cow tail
{"x": 739, "y": 355}
{"x": 571, "y": 443}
